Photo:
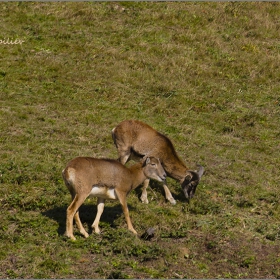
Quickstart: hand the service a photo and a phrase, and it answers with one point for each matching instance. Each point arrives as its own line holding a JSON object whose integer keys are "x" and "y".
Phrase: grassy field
{"x": 205, "y": 74}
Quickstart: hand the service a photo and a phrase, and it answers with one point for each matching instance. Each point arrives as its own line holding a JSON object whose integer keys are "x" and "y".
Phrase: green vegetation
{"x": 205, "y": 74}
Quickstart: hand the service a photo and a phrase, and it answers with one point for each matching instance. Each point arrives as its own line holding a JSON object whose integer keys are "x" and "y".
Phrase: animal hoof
{"x": 145, "y": 200}
{"x": 172, "y": 201}
{"x": 133, "y": 230}
{"x": 71, "y": 237}
{"x": 96, "y": 230}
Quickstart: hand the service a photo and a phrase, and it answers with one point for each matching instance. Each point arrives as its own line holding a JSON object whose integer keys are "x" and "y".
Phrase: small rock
{"x": 148, "y": 234}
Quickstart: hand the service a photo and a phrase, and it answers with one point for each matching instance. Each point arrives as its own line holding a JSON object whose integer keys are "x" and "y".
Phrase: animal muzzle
{"x": 191, "y": 181}
{"x": 162, "y": 178}
{"x": 189, "y": 191}
{"x": 186, "y": 193}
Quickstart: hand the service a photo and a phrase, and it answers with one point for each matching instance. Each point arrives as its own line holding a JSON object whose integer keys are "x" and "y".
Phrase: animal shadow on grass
{"x": 87, "y": 214}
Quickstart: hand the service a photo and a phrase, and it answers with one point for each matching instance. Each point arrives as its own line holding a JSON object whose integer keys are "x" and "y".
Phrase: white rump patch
{"x": 103, "y": 192}
{"x": 71, "y": 174}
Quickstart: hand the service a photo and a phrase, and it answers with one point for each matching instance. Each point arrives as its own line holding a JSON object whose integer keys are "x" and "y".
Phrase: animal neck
{"x": 175, "y": 169}
{"x": 138, "y": 175}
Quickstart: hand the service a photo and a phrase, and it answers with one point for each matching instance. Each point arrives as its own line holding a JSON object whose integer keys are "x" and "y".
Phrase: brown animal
{"x": 105, "y": 179}
{"x": 135, "y": 139}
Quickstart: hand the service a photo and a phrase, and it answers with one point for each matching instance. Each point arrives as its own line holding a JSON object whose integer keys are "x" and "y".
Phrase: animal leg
{"x": 124, "y": 152}
{"x": 122, "y": 199}
{"x": 168, "y": 195}
{"x": 144, "y": 196}
{"x": 80, "y": 225}
{"x": 71, "y": 212}
{"x": 124, "y": 156}
{"x": 100, "y": 208}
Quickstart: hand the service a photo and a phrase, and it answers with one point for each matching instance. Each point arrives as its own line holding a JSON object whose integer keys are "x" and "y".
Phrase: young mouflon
{"x": 105, "y": 179}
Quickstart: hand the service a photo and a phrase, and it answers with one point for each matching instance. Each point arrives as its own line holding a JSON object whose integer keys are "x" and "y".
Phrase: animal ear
{"x": 145, "y": 160}
{"x": 195, "y": 176}
{"x": 188, "y": 177}
{"x": 191, "y": 176}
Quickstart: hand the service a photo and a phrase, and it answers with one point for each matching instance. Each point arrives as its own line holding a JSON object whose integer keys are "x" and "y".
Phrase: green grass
{"x": 205, "y": 74}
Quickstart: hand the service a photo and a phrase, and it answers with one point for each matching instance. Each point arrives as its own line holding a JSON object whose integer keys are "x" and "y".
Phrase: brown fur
{"x": 105, "y": 179}
{"x": 134, "y": 138}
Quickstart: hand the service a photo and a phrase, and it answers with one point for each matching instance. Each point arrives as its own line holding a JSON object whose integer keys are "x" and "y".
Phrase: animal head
{"x": 153, "y": 169}
{"x": 191, "y": 181}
